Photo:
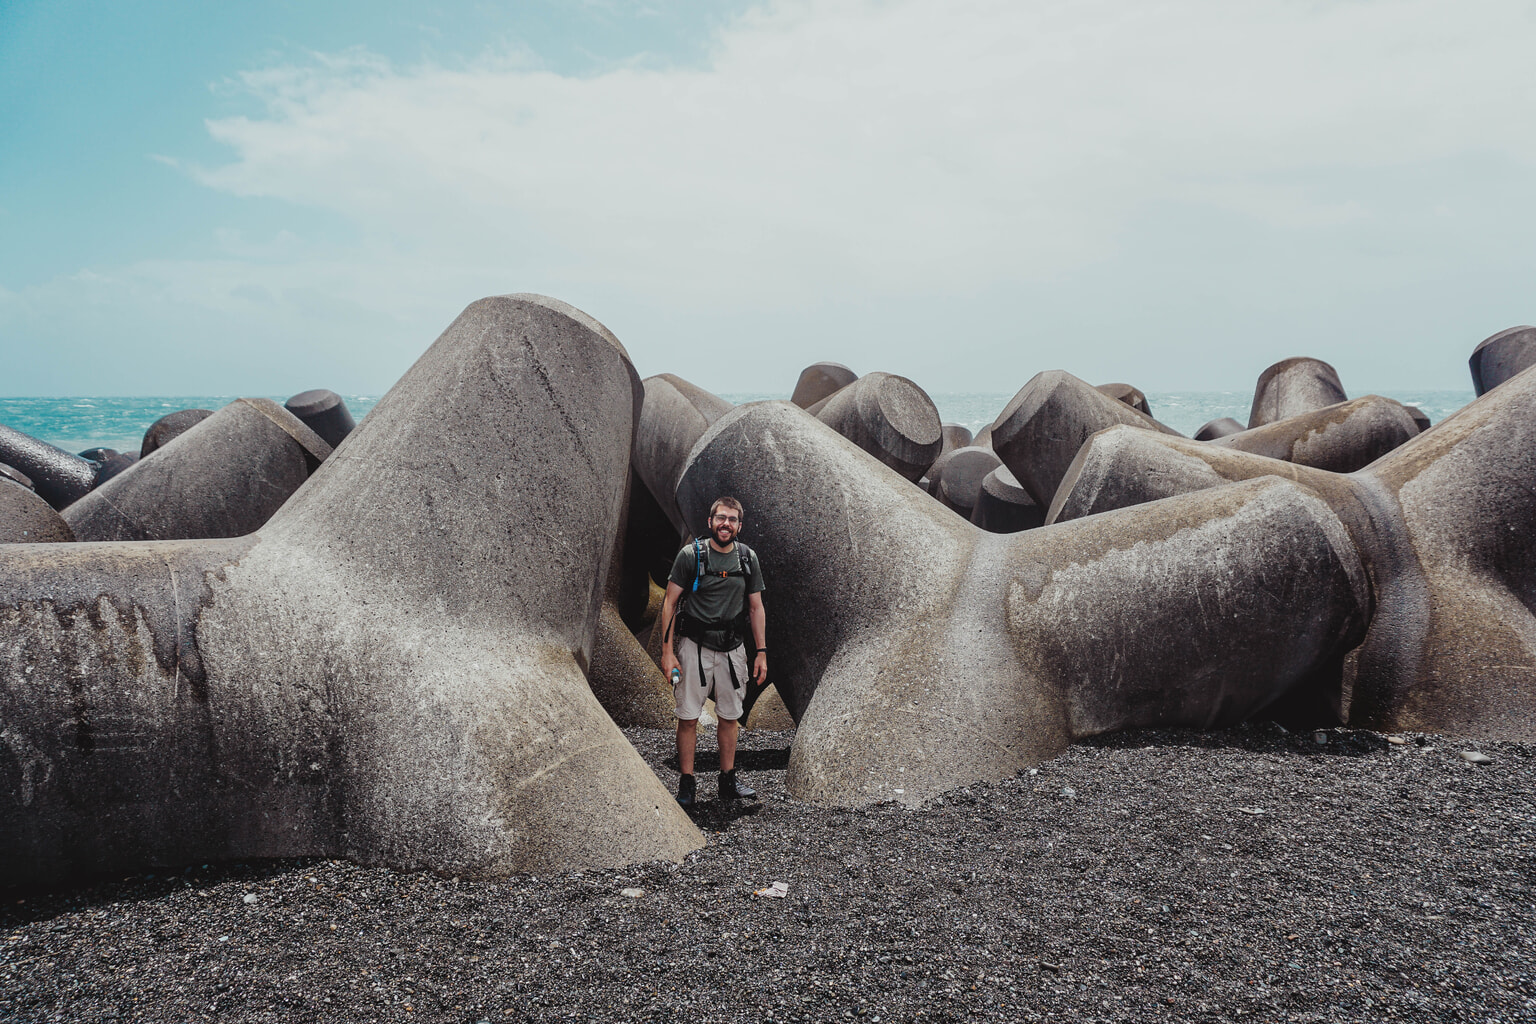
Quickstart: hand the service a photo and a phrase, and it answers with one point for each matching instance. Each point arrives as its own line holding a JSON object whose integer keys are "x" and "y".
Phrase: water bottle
{"x": 677, "y": 674}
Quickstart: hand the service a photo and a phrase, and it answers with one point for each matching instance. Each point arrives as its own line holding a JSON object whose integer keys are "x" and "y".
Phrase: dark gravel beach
{"x": 1245, "y": 874}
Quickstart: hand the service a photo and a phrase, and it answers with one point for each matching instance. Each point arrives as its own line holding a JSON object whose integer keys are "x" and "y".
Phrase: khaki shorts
{"x": 693, "y": 686}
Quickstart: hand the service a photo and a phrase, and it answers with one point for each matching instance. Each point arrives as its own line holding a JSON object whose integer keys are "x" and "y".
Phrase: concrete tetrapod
{"x": 26, "y": 518}
{"x": 171, "y": 426}
{"x": 1341, "y": 438}
{"x": 1500, "y": 357}
{"x": 1040, "y": 430}
{"x": 818, "y": 381}
{"x": 1444, "y": 526}
{"x": 1004, "y": 506}
{"x": 891, "y": 418}
{"x": 389, "y": 670}
{"x": 58, "y": 476}
{"x": 222, "y": 478}
{"x": 675, "y": 415}
{"x": 920, "y": 653}
{"x": 1130, "y": 395}
{"x": 323, "y": 411}
{"x": 1223, "y": 426}
{"x": 955, "y": 436}
{"x": 956, "y": 478}
{"x": 1293, "y": 386}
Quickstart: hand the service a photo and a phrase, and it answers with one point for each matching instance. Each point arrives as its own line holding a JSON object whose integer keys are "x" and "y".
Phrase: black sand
{"x": 1246, "y": 874}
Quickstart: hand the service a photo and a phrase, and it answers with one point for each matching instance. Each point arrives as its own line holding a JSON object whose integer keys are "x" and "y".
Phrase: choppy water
{"x": 76, "y": 424}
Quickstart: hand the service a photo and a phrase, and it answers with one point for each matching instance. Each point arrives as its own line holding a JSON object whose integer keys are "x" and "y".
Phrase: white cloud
{"x": 886, "y": 146}
{"x": 843, "y": 156}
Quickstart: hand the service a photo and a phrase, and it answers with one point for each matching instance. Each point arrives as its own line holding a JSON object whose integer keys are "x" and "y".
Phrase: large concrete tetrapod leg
{"x": 819, "y": 381}
{"x": 389, "y": 670}
{"x": 325, "y": 412}
{"x": 1340, "y": 438}
{"x": 58, "y": 477}
{"x": 222, "y": 477}
{"x": 1040, "y": 430}
{"x": 1443, "y": 524}
{"x": 1292, "y": 386}
{"x": 1500, "y": 357}
{"x": 676, "y": 414}
{"x": 891, "y": 418}
{"x": 921, "y": 653}
{"x": 1452, "y": 647}
{"x": 26, "y": 518}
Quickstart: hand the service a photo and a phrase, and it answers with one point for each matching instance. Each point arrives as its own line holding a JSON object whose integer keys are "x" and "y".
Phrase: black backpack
{"x": 737, "y": 629}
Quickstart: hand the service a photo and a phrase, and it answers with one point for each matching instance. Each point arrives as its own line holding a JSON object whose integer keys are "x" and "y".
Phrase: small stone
{"x": 1476, "y": 757}
{"x": 1398, "y": 741}
{"x": 1068, "y": 793}
{"x": 249, "y": 897}
{"x": 1320, "y": 736}
{"x": 633, "y": 894}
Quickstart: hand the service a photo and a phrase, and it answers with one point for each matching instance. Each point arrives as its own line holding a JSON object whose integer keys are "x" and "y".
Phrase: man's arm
{"x": 759, "y": 620}
{"x": 668, "y": 612}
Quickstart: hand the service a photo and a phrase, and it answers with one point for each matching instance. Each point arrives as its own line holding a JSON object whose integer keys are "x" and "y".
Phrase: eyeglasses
{"x": 727, "y": 519}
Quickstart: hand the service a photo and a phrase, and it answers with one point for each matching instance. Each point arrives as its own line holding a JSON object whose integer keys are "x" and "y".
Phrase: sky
{"x": 262, "y": 198}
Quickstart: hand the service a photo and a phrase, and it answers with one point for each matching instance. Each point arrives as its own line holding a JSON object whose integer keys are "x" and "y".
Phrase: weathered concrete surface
{"x": 889, "y": 417}
{"x": 624, "y": 679}
{"x": 1220, "y": 427}
{"x": 324, "y": 412}
{"x": 1116, "y": 469}
{"x": 1498, "y": 358}
{"x": 674, "y": 416}
{"x": 25, "y": 518}
{"x": 1294, "y": 386}
{"x": 223, "y": 477}
{"x": 169, "y": 427}
{"x": 955, "y": 436}
{"x": 1131, "y": 396}
{"x": 1340, "y": 438}
{"x": 1444, "y": 526}
{"x": 956, "y": 478}
{"x": 1004, "y": 506}
{"x": 116, "y": 465}
{"x": 390, "y": 670}
{"x": 920, "y": 653}
{"x": 819, "y": 381}
{"x": 58, "y": 476}
{"x": 1040, "y": 430}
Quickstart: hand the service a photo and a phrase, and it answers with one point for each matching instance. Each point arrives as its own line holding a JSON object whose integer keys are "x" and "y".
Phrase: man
{"x": 723, "y": 584}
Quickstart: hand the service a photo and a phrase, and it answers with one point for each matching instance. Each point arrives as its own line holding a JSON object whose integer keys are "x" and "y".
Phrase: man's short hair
{"x": 728, "y": 502}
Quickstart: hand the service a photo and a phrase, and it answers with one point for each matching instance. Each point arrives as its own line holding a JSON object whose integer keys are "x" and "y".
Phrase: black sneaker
{"x": 730, "y": 789}
{"x": 685, "y": 790}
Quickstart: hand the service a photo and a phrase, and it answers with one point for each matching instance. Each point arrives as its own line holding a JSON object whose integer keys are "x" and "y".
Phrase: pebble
{"x": 1476, "y": 757}
{"x": 1156, "y": 899}
{"x": 633, "y": 894}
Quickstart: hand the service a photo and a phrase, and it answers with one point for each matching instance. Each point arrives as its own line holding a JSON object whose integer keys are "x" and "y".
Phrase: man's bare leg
{"x": 688, "y": 739}
{"x": 726, "y": 734}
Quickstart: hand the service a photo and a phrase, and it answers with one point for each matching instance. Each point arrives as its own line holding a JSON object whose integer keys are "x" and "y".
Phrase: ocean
{"x": 76, "y": 424}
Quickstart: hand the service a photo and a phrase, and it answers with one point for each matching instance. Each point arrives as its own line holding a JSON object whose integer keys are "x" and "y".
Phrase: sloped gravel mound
{"x": 1246, "y": 874}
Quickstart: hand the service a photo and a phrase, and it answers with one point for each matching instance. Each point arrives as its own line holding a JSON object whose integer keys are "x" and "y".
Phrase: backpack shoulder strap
{"x": 745, "y": 555}
{"x": 698, "y": 562}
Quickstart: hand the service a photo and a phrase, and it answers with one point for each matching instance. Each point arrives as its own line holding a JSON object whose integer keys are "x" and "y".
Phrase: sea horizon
{"x": 80, "y": 422}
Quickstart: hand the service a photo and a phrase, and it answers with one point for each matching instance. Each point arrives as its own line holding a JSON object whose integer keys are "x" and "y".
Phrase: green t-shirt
{"x": 719, "y": 598}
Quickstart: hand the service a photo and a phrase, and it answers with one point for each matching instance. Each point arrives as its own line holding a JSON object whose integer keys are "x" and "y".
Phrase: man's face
{"x": 724, "y": 525}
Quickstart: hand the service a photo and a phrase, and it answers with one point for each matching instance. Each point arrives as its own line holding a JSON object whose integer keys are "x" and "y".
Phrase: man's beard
{"x": 730, "y": 535}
